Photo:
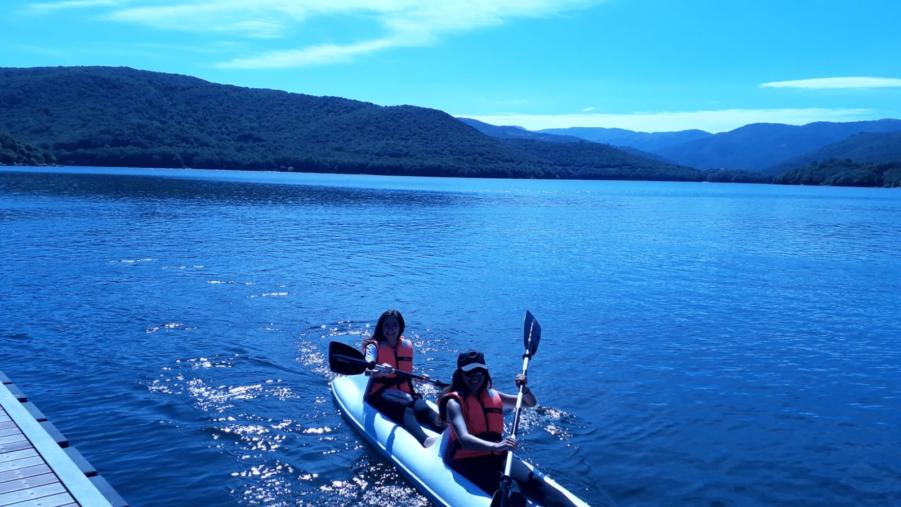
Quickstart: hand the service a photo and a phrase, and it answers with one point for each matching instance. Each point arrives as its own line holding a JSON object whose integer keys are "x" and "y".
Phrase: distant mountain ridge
{"x": 651, "y": 142}
{"x": 760, "y": 146}
{"x": 513, "y": 132}
{"x": 122, "y": 116}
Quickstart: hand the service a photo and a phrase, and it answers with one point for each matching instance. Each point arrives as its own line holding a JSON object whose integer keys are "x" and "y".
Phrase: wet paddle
{"x": 347, "y": 360}
{"x": 531, "y": 337}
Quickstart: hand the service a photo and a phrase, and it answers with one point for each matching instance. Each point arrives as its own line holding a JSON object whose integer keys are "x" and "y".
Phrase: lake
{"x": 703, "y": 344}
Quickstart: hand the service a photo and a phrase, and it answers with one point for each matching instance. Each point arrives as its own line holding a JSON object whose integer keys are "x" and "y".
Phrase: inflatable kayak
{"x": 423, "y": 467}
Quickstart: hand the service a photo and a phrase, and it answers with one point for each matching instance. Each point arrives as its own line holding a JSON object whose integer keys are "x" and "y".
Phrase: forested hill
{"x": 125, "y": 117}
{"x": 868, "y": 148}
{"x": 15, "y": 152}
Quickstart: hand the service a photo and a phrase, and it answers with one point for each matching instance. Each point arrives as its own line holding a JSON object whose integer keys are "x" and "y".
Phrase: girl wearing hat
{"x": 477, "y": 448}
{"x": 392, "y": 394}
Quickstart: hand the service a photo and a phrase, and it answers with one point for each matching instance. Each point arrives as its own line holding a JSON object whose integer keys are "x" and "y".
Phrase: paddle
{"x": 347, "y": 360}
{"x": 531, "y": 337}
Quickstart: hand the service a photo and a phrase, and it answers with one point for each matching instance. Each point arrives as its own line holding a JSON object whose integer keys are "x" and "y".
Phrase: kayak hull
{"x": 423, "y": 467}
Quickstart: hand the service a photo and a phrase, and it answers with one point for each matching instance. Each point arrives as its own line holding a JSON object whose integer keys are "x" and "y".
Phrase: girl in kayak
{"x": 392, "y": 394}
{"x": 477, "y": 447}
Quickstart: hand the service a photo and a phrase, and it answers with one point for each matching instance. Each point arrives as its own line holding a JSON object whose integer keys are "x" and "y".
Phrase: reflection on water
{"x": 155, "y": 189}
{"x": 703, "y": 344}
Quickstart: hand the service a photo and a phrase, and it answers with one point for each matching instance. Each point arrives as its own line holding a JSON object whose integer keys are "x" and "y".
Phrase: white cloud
{"x": 310, "y": 55}
{"x": 836, "y": 83}
{"x": 44, "y": 7}
{"x": 407, "y": 23}
{"x": 403, "y": 23}
{"x": 667, "y": 121}
{"x": 587, "y": 109}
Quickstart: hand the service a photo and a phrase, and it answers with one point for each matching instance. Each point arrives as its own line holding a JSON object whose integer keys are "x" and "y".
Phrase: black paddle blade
{"x": 501, "y": 497}
{"x": 345, "y": 359}
{"x": 531, "y": 334}
{"x": 506, "y": 497}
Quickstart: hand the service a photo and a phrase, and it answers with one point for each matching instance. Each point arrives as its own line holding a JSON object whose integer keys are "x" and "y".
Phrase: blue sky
{"x": 650, "y": 65}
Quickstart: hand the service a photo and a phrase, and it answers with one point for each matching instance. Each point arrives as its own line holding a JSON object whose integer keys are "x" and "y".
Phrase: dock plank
{"x": 31, "y": 494}
{"x": 21, "y": 463}
{"x": 28, "y": 482}
{"x": 72, "y": 486}
{"x": 58, "y": 500}
{"x": 15, "y": 446}
{"x": 11, "y": 439}
{"x": 5, "y": 432}
{"x": 12, "y": 456}
{"x": 23, "y": 473}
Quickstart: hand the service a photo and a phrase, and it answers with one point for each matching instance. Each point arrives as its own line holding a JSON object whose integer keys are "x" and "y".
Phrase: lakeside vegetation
{"x": 15, "y": 152}
{"x": 845, "y": 173}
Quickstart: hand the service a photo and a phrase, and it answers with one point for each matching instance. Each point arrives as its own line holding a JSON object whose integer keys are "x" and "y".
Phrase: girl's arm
{"x": 371, "y": 353}
{"x": 528, "y": 398}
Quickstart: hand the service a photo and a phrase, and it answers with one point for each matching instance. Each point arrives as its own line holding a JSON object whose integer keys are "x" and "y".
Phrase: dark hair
{"x": 378, "y": 334}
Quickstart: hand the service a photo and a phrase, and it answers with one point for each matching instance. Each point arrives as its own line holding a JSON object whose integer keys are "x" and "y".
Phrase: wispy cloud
{"x": 406, "y": 23}
{"x": 587, "y": 109}
{"x": 667, "y": 121}
{"x": 836, "y": 83}
{"x": 310, "y": 55}
{"x": 45, "y": 7}
{"x": 403, "y": 23}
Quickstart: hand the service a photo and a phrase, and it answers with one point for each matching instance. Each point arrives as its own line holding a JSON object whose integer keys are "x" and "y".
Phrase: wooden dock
{"x": 38, "y": 467}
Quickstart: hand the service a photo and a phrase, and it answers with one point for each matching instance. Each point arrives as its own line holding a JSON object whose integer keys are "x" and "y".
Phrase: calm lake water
{"x": 704, "y": 344}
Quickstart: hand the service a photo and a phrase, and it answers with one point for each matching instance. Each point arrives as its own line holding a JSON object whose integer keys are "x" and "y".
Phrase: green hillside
{"x": 125, "y": 117}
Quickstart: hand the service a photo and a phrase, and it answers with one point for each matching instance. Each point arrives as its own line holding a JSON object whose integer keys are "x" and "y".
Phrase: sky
{"x": 646, "y": 65}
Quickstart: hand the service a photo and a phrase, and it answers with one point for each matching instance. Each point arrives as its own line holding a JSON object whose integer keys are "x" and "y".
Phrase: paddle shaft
{"x": 508, "y": 466}
{"x": 363, "y": 363}
{"x": 438, "y": 383}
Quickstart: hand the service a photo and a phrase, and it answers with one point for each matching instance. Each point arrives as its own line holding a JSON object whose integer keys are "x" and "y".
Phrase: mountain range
{"x": 768, "y": 148}
{"x": 651, "y": 142}
{"x": 125, "y": 117}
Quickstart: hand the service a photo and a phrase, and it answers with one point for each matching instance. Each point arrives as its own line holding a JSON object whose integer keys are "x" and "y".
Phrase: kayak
{"x": 423, "y": 467}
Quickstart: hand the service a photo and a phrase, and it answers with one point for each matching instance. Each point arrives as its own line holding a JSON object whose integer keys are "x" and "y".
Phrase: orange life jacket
{"x": 484, "y": 416}
{"x": 399, "y": 357}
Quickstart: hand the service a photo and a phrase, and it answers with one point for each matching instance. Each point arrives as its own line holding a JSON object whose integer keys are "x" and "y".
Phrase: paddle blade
{"x": 531, "y": 333}
{"x": 506, "y": 497}
{"x": 501, "y": 497}
{"x": 345, "y": 359}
